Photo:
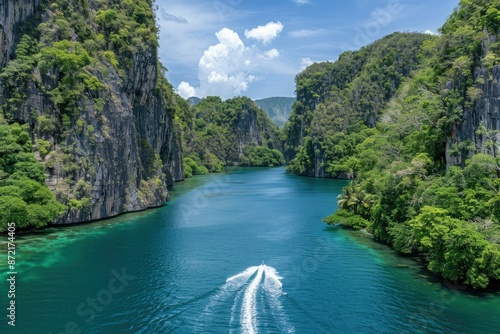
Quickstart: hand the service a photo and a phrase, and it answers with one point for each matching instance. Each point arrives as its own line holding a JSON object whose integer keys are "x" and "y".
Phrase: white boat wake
{"x": 255, "y": 293}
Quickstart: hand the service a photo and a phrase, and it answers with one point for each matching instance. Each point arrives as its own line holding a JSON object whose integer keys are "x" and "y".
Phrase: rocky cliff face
{"x": 332, "y": 97}
{"x": 252, "y": 129}
{"x": 217, "y": 132}
{"x": 115, "y": 149}
{"x": 480, "y": 124}
{"x": 12, "y": 14}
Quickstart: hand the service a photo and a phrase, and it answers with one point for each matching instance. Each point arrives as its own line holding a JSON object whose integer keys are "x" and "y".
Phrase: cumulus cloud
{"x": 430, "y": 32}
{"x": 186, "y": 90}
{"x": 221, "y": 69}
{"x": 271, "y": 54}
{"x": 265, "y": 34}
{"x": 228, "y": 68}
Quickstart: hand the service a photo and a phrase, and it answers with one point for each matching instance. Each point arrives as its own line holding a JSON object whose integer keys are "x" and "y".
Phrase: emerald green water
{"x": 195, "y": 266}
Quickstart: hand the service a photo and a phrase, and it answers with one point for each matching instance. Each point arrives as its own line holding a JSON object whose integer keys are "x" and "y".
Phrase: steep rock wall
{"x": 253, "y": 126}
{"x": 12, "y": 13}
{"x": 484, "y": 114}
{"x": 114, "y": 158}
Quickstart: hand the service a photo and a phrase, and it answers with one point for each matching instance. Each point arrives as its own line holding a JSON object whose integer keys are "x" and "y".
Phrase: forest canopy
{"x": 404, "y": 118}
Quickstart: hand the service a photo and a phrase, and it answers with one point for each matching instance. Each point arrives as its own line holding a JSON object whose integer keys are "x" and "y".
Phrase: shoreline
{"x": 420, "y": 261}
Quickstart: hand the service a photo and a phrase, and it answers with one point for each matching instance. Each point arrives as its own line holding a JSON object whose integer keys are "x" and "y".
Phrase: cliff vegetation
{"x": 87, "y": 115}
{"x": 217, "y": 133}
{"x": 414, "y": 121}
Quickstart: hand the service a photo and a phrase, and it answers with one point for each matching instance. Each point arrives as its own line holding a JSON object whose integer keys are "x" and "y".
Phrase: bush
{"x": 46, "y": 124}
{"x": 192, "y": 168}
{"x": 43, "y": 147}
{"x": 25, "y": 199}
{"x": 347, "y": 218}
{"x": 260, "y": 156}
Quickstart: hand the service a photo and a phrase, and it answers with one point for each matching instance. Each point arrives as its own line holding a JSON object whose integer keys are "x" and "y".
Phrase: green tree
{"x": 24, "y": 197}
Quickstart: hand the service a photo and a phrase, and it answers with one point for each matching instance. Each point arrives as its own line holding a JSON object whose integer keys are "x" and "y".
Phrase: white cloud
{"x": 301, "y": 2}
{"x": 229, "y": 38}
{"x": 185, "y": 31}
{"x": 430, "y": 32}
{"x": 265, "y": 34}
{"x": 305, "y": 62}
{"x": 221, "y": 69}
{"x": 186, "y": 90}
{"x": 228, "y": 68}
{"x": 271, "y": 54}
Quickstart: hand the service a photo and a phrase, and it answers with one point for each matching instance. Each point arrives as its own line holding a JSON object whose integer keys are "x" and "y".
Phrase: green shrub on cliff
{"x": 192, "y": 168}
{"x": 24, "y": 197}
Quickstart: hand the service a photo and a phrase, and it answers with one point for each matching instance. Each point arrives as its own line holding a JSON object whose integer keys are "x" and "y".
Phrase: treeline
{"x": 390, "y": 117}
{"x": 218, "y": 133}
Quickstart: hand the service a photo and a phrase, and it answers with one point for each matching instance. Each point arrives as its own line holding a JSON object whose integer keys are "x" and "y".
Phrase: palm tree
{"x": 344, "y": 200}
{"x": 354, "y": 198}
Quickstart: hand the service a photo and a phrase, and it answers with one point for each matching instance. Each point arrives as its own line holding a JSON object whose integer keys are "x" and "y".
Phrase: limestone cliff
{"x": 12, "y": 14}
{"x": 94, "y": 96}
{"x": 217, "y": 131}
{"x": 333, "y": 98}
{"x": 254, "y": 128}
{"x": 479, "y": 126}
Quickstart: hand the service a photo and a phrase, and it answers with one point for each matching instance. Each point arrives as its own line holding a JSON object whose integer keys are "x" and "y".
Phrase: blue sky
{"x": 255, "y": 48}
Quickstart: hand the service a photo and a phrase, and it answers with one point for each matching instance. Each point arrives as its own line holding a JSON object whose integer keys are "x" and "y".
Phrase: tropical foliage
{"x": 261, "y": 156}
{"x": 24, "y": 198}
{"x": 417, "y": 187}
{"x": 333, "y": 98}
{"x": 217, "y": 133}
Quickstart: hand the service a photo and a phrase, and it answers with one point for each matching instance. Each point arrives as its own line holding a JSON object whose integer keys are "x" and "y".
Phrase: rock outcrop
{"x": 252, "y": 127}
{"x": 12, "y": 14}
{"x": 225, "y": 128}
{"x": 116, "y": 149}
{"x": 478, "y": 124}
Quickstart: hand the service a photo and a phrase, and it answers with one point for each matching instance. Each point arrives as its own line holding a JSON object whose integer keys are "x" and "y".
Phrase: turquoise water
{"x": 195, "y": 266}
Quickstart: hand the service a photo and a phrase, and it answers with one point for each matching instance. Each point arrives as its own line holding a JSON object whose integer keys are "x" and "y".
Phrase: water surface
{"x": 196, "y": 266}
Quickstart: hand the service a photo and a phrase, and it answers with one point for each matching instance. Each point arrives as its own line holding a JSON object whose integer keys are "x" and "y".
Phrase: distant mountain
{"x": 278, "y": 108}
{"x": 194, "y": 100}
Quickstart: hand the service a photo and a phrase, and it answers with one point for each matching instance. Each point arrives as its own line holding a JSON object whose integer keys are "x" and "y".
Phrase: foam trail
{"x": 249, "y": 307}
{"x": 273, "y": 288}
{"x": 272, "y": 280}
{"x": 244, "y": 276}
{"x": 243, "y": 291}
{"x": 233, "y": 310}
{"x": 232, "y": 284}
